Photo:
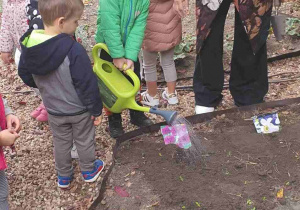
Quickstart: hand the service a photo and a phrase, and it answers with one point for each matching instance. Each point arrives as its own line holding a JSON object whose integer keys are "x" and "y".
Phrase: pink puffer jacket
{"x": 164, "y": 27}
{"x": 14, "y": 24}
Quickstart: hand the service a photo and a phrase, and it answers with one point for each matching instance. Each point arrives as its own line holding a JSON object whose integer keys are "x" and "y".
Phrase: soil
{"x": 240, "y": 169}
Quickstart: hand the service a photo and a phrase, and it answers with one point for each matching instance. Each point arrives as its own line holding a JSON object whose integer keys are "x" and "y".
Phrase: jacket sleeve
{"x": 84, "y": 80}
{"x": 24, "y": 74}
{"x": 109, "y": 19}
{"x": 136, "y": 35}
{"x": 6, "y": 41}
{"x": 33, "y": 15}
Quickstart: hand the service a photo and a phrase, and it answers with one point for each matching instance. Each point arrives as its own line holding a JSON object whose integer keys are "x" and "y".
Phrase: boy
{"x": 59, "y": 67}
{"x": 121, "y": 25}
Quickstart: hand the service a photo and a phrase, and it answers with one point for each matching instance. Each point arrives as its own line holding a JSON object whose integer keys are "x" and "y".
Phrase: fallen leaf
{"x": 280, "y": 193}
{"x": 128, "y": 184}
{"x": 121, "y": 192}
{"x": 22, "y": 102}
{"x": 73, "y": 189}
{"x": 109, "y": 192}
{"x": 154, "y": 204}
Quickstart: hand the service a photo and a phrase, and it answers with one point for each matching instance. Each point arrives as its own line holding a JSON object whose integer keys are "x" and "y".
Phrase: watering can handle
{"x": 96, "y": 49}
{"x": 129, "y": 72}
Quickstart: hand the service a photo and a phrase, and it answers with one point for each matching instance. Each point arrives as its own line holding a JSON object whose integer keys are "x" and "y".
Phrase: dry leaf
{"x": 121, "y": 192}
{"x": 280, "y": 193}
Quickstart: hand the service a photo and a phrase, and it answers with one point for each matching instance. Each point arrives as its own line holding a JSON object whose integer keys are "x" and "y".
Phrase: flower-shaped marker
{"x": 268, "y": 123}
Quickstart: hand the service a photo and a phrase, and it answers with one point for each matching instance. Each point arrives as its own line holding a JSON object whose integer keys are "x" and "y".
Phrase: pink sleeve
{"x": 6, "y": 40}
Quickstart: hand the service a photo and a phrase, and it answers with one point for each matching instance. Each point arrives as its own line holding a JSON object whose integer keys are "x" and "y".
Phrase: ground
{"x": 237, "y": 168}
{"x": 31, "y": 173}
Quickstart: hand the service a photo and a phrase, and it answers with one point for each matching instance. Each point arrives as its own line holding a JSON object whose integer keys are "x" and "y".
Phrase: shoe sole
{"x": 63, "y": 186}
{"x": 96, "y": 176}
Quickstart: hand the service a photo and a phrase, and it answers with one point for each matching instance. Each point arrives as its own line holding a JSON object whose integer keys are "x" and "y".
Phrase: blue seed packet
{"x": 267, "y": 123}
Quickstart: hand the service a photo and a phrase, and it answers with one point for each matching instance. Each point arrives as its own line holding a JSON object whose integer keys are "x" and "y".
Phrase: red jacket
{"x": 2, "y": 127}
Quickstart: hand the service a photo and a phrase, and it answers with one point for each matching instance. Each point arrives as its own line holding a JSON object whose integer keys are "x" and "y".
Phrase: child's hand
{"x": 8, "y": 137}
{"x": 129, "y": 65}
{"x": 181, "y": 7}
{"x": 97, "y": 120}
{"x": 6, "y": 57}
{"x": 13, "y": 122}
{"x": 119, "y": 63}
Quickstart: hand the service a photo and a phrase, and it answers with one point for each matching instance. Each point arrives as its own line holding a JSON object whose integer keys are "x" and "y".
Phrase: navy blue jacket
{"x": 61, "y": 69}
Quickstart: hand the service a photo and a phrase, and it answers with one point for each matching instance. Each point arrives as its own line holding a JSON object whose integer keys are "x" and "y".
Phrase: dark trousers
{"x": 249, "y": 74}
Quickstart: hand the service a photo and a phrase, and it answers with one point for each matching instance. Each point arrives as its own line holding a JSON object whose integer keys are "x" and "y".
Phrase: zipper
{"x": 127, "y": 24}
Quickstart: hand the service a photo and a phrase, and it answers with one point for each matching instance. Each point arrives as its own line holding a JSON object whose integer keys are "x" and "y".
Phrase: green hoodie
{"x": 121, "y": 25}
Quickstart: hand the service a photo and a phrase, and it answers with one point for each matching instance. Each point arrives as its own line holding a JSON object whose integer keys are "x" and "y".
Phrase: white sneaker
{"x": 171, "y": 98}
{"x": 149, "y": 100}
{"x": 203, "y": 109}
{"x": 74, "y": 153}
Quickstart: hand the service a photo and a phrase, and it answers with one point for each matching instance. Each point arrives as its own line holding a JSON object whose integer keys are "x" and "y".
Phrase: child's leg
{"x": 84, "y": 138}
{"x": 168, "y": 65}
{"x": 149, "y": 64}
{"x": 63, "y": 142}
{"x": 3, "y": 191}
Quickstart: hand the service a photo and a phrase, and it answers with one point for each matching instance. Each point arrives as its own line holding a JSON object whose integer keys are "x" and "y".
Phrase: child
{"x": 60, "y": 67}
{"x": 14, "y": 25}
{"x": 9, "y": 128}
{"x": 121, "y": 25}
{"x": 163, "y": 33}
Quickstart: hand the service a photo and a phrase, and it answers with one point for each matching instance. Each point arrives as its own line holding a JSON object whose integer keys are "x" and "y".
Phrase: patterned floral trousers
{"x": 249, "y": 74}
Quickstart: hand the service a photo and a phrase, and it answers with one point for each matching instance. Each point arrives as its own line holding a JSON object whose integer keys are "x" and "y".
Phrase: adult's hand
{"x": 181, "y": 7}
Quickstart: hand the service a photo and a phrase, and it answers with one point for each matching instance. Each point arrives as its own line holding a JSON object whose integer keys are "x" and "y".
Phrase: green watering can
{"x": 117, "y": 92}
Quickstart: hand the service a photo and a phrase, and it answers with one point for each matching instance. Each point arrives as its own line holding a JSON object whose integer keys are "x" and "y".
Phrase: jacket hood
{"x": 46, "y": 56}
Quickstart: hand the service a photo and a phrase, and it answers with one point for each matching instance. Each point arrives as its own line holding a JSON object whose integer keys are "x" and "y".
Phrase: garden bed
{"x": 239, "y": 168}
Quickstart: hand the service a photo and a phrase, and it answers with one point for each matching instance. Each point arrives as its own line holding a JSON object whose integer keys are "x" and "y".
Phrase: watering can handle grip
{"x": 96, "y": 49}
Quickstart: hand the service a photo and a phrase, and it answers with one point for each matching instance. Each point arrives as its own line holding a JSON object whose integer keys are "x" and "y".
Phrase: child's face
{"x": 69, "y": 26}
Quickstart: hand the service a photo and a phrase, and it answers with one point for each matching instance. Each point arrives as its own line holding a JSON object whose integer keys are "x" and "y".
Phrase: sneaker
{"x": 203, "y": 109}
{"x": 37, "y": 111}
{"x": 149, "y": 100}
{"x": 115, "y": 125}
{"x": 171, "y": 98}
{"x": 43, "y": 117}
{"x": 74, "y": 153}
{"x": 64, "y": 181}
{"x": 139, "y": 118}
{"x": 91, "y": 176}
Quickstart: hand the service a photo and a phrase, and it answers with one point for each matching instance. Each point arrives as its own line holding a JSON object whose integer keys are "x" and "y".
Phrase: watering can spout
{"x": 169, "y": 116}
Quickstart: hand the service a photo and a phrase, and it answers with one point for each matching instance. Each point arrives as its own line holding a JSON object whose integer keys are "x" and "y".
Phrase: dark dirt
{"x": 240, "y": 169}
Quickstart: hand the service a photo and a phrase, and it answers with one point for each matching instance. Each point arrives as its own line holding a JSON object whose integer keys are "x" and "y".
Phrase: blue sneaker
{"x": 64, "y": 181}
{"x": 91, "y": 176}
